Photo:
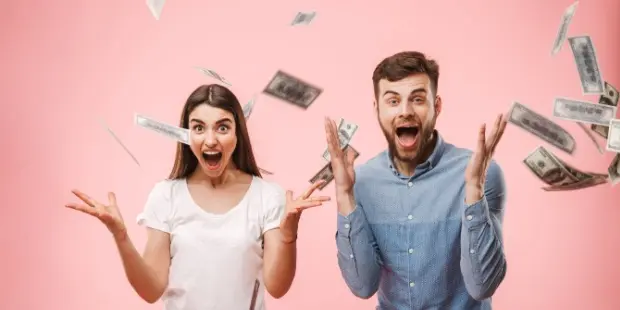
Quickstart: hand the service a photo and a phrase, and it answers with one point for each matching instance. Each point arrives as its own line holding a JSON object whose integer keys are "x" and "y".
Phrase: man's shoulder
{"x": 371, "y": 167}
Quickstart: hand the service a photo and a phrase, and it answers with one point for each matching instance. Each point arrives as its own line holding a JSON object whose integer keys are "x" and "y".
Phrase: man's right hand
{"x": 342, "y": 168}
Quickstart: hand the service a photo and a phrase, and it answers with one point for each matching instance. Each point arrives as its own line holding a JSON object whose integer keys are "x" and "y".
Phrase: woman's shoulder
{"x": 269, "y": 188}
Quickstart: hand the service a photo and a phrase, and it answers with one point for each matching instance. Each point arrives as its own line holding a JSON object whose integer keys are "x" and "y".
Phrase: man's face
{"x": 407, "y": 110}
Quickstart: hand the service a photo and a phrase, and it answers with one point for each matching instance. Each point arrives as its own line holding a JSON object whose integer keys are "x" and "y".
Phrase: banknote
{"x": 213, "y": 74}
{"x": 346, "y": 130}
{"x": 540, "y": 126}
{"x": 326, "y": 173}
{"x": 247, "y": 108}
{"x": 118, "y": 140}
{"x": 587, "y": 65}
{"x": 170, "y": 131}
{"x": 582, "y": 111}
{"x": 614, "y": 170}
{"x": 567, "y": 17}
{"x": 613, "y": 141}
{"x": 590, "y": 182}
{"x": 609, "y": 97}
{"x": 292, "y": 89}
{"x": 156, "y": 6}
{"x": 590, "y": 135}
{"x": 303, "y": 18}
{"x": 548, "y": 168}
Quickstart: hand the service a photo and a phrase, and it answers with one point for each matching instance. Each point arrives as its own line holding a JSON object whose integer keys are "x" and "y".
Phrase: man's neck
{"x": 407, "y": 168}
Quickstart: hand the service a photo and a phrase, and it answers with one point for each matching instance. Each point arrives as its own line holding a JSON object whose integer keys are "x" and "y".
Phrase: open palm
{"x": 342, "y": 164}
{"x": 479, "y": 163}
{"x": 108, "y": 214}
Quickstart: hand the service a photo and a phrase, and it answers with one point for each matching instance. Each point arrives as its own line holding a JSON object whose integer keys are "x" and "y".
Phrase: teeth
{"x": 211, "y": 153}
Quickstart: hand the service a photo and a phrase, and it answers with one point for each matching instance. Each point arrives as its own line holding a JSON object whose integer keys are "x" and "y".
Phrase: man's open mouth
{"x": 407, "y": 135}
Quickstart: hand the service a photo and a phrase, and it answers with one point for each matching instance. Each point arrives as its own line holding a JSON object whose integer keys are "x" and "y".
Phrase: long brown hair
{"x": 217, "y": 96}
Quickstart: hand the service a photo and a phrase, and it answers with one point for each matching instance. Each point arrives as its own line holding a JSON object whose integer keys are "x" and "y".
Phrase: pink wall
{"x": 66, "y": 63}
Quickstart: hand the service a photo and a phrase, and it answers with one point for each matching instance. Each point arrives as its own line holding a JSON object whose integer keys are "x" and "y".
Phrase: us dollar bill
{"x": 567, "y": 17}
{"x": 548, "y": 168}
{"x": 292, "y": 89}
{"x": 582, "y": 111}
{"x": 213, "y": 74}
{"x": 614, "y": 170}
{"x": 170, "y": 131}
{"x": 155, "y": 6}
{"x": 613, "y": 140}
{"x": 326, "y": 173}
{"x": 303, "y": 18}
{"x": 346, "y": 130}
{"x": 592, "y": 138}
{"x": 248, "y": 107}
{"x": 540, "y": 126}
{"x": 591, "y": 182}
{"x": 587, "y": 65}
{"x": 610, "y": 98}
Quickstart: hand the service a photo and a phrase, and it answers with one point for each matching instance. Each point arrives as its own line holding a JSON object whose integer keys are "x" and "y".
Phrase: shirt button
{"x": 351, "y": 256}
{"x": 472, "y": 251}
{"x": 410, "y": 184}
{"x": 469, "y": 217}
{"x": 410, "y": 251}
{"x": 347, "y": 226}
{"x": 410, "y": 217}
{"x": 411, "y": 284}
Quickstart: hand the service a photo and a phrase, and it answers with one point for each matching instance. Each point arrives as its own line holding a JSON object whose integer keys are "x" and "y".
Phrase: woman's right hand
{"x": 108, "y": 214}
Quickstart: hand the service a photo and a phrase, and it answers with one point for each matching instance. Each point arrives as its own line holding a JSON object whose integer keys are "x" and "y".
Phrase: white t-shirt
{"x": 216, "y": 259}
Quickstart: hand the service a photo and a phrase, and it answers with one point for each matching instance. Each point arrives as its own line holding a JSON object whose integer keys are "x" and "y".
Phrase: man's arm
{"x": 483, "y": 262}
{"x": 358, "y": 253}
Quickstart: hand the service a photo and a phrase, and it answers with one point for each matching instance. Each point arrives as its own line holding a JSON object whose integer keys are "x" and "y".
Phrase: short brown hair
{"x": 404, "y": 64}
{"x": 217, "y": 96}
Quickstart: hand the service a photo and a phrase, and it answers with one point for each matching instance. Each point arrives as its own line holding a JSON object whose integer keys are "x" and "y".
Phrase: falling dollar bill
{"x": 293, "y": 90}
{"x": 538, "y": 125}
{"x": 614, "y": 170}
{"x": 587, "y": 65}
{"x": 118, "y": 140}
{"x": 170, "y": 131}
{"x": 303, "y": 18}
{"x": 156, "y": 6}
{"x": 613, "y": 140}
{"x": 582, "y": 111}
{"x": 566, "y": 20}
{"x": 590, "y": 135}
{"x": 213, "y": 74}
{"x": 346, "y": 130}
{"x": 558, "y": 175}
{"x": 610, "y": 98}
{"x": 326, "y": 173}
{"x": 247, "y": 108}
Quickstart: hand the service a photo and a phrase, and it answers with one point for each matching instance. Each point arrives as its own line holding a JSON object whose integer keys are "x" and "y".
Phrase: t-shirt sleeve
{"x": 157, "y": 208}
{"x": 273, "y": 209}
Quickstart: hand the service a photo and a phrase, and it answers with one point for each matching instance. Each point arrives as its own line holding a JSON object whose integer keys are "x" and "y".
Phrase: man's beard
{"x": 424, "y": 140}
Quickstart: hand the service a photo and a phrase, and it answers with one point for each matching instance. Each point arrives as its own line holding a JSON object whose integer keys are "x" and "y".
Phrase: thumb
{"x": 350, "y": 157}
{"x": 289, "y": 196}
{"x": 112, "y": 198}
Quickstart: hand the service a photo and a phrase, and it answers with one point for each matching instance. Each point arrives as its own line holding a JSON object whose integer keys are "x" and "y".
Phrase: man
{"x": 420, "y": 223}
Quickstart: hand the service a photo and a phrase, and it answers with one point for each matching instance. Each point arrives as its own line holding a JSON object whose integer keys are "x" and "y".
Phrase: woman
{"x": 218, "y": 234}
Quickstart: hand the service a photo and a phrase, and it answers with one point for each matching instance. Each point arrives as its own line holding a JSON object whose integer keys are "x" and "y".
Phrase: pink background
{"x": 68, "y": 63}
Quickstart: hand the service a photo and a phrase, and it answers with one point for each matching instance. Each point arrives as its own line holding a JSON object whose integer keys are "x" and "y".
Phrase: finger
{"x": 289, "y": 196}
{"x": 312, "y": 188}
{"x": 350, "y": 156}
{"x": 334, "y": 146}
{"x": 89, "y": 201}
{"x": 481, "y": 139}
{"x": 308, "y": 204}
{"x": 112, "y": 198}
{"x": 320, "y": 198}
{"x": 83, "y": 208}
{"x": 494, "y": 131}
{"x": 501, "y": 126}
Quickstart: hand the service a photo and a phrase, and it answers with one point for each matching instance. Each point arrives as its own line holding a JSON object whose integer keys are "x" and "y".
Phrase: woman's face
{"x": 212, "y": 138}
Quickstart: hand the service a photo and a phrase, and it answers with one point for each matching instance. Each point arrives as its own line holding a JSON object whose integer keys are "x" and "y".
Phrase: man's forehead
{"x": 406, "y": 85}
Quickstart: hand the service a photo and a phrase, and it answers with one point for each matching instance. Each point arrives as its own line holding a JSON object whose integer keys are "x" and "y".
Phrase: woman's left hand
{"x": 294, "y": 208}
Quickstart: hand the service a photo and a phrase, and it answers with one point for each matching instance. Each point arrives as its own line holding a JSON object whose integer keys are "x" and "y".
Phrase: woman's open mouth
{"x": 212, "y": 159}
{"x": 407, "y": 136}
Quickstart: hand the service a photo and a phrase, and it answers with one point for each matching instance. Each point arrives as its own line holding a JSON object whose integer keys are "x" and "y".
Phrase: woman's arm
{"x": 147, "y": 274}
{"x": 279, "y": 263}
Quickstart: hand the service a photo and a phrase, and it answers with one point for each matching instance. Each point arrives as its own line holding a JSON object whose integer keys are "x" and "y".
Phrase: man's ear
{"x": 374, "y": 104}
{"x": 438, "y": 105}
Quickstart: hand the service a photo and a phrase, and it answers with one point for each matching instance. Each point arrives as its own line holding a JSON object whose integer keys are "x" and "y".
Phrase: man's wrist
{"x": 473, "y": 193}
{"x": 345, "y": 201}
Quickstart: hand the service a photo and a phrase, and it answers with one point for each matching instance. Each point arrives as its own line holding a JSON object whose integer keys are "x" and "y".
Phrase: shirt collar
{"x": 430, "y": 163}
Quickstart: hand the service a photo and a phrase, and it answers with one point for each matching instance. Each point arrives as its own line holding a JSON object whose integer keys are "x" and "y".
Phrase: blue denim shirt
{"x": 415, "y": 242}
